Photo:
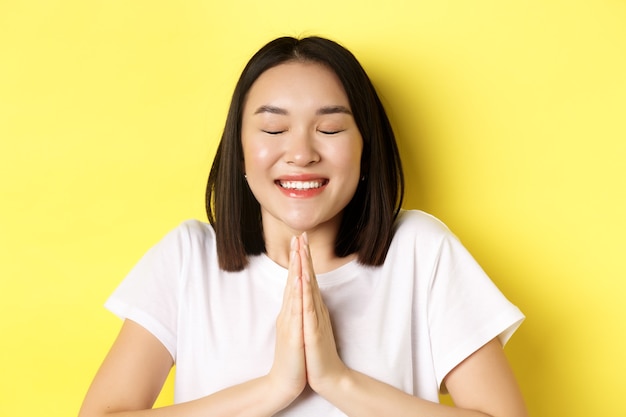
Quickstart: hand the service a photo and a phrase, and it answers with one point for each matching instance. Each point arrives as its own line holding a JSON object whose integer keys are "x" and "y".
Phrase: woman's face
{"x": 301, "y": 146}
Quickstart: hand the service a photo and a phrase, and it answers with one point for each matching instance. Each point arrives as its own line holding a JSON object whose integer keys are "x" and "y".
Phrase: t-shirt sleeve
{"x": 149, "y": 293}
{"x": 466, "y": 309}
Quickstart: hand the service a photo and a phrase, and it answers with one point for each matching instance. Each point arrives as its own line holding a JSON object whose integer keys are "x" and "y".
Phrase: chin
{"x": 301, "y": 227}
{"x": 309, "y": 223}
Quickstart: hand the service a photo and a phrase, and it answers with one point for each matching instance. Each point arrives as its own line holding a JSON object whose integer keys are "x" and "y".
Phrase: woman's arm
{"x": 133, "y": 373}
{"x": 485, "y": 381}
{"x": 482, "y": 385}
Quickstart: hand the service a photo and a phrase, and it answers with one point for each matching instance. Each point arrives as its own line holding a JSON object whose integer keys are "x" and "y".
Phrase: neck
{"x": 321, "y": 241}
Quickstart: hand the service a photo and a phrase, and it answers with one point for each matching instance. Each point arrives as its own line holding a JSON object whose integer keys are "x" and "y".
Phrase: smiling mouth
{"x": 302, "y": 185}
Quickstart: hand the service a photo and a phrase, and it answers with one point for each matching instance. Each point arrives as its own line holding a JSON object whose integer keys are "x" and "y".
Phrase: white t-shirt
{"x": 407, "y": 323}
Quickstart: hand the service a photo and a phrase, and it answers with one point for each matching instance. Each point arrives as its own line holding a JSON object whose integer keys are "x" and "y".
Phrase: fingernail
{"x": 293, "y": 242}
{"x": 305, "y": 237}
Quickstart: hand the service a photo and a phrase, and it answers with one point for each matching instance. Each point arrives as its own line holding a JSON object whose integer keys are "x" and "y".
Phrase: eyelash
{"x": 278, "y": 132}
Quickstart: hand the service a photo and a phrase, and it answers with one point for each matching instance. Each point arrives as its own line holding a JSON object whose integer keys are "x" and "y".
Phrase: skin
{"x": 137, "y": 365}
{"x": 297, "y": 124}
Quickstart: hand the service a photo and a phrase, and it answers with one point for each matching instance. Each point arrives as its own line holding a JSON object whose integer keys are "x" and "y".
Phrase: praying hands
{"x": 305, "y": 345}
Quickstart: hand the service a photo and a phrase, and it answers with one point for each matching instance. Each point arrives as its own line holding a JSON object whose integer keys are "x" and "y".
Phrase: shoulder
{"x": 412, "y": 224}
{"x": 196, "y": 229}
{"x": 420, "y": 234}
{"x": 188, "y": 236}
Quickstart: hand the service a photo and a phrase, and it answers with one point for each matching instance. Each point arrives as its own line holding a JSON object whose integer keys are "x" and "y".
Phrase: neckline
{"x": 276, "y": 272}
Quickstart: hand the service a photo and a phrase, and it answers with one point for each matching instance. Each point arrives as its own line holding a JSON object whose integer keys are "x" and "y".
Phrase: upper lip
{"x": 301, "y": 177}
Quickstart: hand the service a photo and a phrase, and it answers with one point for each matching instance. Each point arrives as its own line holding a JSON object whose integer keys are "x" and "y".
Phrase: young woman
{"x": 310, "y": 293}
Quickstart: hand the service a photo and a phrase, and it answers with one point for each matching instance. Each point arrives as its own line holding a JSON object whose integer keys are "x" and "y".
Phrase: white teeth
{"x": 300, "y": 185}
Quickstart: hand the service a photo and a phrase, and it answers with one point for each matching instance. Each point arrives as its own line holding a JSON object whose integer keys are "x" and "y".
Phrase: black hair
{"x": 367, "y": 222}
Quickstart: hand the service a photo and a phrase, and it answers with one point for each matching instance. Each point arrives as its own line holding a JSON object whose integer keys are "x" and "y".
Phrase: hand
{"x": 288, "y": 373}
{"x": 324, "y": 367}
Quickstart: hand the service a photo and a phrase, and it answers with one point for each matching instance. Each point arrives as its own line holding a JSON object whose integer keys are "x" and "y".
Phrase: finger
{"x": 294, "y": 307}
{"x": 305, "y": 255}
{"x": 308, "y": 272}
{"x": 294, "y": 285}
{"x": 296, "y": 304}
{"x": 309, "y": 308}
{"x": 312, "y": 304}
{"x": 291, "y": 311}
{"x": 294, "y": 269}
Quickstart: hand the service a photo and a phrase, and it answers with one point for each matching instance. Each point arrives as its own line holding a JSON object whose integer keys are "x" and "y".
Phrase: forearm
{"x": 359, "y": 395}
{"x": 255, "y": 398}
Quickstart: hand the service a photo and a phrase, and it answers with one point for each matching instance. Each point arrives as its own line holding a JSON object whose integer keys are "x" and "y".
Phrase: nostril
{"x": 302, "y": 158}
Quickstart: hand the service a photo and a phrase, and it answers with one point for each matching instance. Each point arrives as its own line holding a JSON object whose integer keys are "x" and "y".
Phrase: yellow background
{"x": 510, "y": 117}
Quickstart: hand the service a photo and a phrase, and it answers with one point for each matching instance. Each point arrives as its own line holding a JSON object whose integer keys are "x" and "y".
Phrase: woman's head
{"x": 367, "y": 219}
{"x": 301, "y": 151}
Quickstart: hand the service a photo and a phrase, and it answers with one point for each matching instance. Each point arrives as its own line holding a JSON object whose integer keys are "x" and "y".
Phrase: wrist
{"x": 333, "y": 385}
{"x": 279, "y": 392}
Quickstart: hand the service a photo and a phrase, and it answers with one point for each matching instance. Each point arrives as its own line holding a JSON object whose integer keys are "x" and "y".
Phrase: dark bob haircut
{"x": 367, "y": 221}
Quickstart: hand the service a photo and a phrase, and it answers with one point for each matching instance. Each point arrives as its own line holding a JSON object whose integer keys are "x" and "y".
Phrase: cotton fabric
{"x": 408, "y": 322}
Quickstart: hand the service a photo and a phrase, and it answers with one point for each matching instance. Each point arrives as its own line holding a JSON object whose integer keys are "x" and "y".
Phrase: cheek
{"x": 257, "y": 165}
{"x": 349, "y": 158}
{"x": 257, "y": 156}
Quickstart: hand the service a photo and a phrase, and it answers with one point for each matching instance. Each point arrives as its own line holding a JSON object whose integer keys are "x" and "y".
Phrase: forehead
{"x": 297, "y": 83}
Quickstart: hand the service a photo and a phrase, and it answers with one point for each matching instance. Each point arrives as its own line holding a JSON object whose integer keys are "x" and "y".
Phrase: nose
{"x": 300, "y": 149}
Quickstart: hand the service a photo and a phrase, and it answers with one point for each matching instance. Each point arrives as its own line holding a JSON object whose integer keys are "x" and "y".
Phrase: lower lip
{"x": 294, "y": 193}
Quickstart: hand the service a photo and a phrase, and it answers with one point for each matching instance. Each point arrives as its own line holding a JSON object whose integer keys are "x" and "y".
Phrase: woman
{"x": 311, "y": 293}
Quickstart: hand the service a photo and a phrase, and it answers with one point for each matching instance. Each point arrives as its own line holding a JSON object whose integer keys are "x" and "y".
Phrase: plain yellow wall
{"x": 510, "y": 117}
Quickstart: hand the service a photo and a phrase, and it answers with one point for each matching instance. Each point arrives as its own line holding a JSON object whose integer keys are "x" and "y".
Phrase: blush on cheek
{"x": 262, "y": 153}
{"x": 257, "y": 152}
{"x": 256, "y": 157}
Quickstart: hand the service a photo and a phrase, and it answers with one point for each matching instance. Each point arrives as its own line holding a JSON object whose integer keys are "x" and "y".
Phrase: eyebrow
{"x": 332, "y": 110}
{"x": 271, "y": 109}
{"x": 320, "y": 112}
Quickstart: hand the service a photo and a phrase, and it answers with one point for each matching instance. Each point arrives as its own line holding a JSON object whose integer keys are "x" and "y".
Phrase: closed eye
{"x": 330, "y": 132}
{"x": 273, "y": 132}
